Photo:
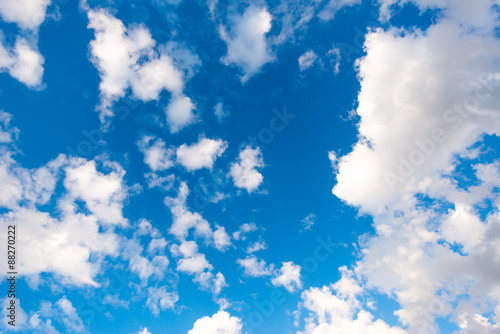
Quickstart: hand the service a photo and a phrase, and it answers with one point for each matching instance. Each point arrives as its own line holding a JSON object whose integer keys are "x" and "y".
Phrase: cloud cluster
{"x": 427, "y": 103}
{"x": 128, "y": 58}
{"x": 22, "y": 60}
{"x": 221, "y": 322}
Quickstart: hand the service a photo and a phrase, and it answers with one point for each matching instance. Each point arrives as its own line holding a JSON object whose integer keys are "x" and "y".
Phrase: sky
{"x": 210, "y": 167}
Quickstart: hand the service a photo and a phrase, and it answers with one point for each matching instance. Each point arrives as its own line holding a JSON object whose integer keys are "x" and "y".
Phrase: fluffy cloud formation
{"x": 247, "y": 46}
{"x": 189, "y": 260}
{"x": 23, "y": 61}
{"x": 307, "y": 59}
{"x": 435, "y": 239}
{"x": 156, "y": 155}
{"x": 200, "y": 155}
{"x": 254, "y": 267}
{"x": 288, "y": 277}
{"x": 185, "y": 220}
{"x": 27, "y": 14}
{"x": 219, "y": 323}
{"x": 244, "y": 171}
{"x": 335, "y": 309}
{"x": 118, "y": 53}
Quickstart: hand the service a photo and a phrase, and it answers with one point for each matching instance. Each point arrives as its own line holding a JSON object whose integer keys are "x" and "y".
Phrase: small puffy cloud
{"x": 143, "y": 331}
{"x": 254, "y": 267}
{"x": 288, "y": 276}
{"x": 192, "y": 262}
{"x": 221, "y": 322}
{"x": 247, "y": 46}
{"x": 27, "y": 14}
{"x": 220, "y": 112}
{"x": 159, "y": 299}
{"x": 245, "y": 171}
{"x": 179, "y": 112}
{"x": 256, "y": 246}
{"x": 184, "y": 221}
{"x": 245, "y": 228}
{"x": 103, "y": 194}
{"x": 201, "y": 154}
{"x": 308, "y": 222}
{"x": 156, "y": 155}
{"x": 307, "y": 59}
{"x": 334, "y": 56}
{"x": 24, "y": 62}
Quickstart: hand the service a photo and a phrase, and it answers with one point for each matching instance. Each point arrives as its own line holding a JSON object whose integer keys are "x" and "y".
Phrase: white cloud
{"x": 333, "y": 6}
{"x": 116, "y": 51}
{"x": 103, "y": 194}
{"x": 201, "y": 154}
{"x": 256, "y": 246}
{"x": 247, "y": 46}
{"x": 245, "y": 228}
{"x": 23, "y": 62}
{"x": 433, "y": 261}
{"x": 27, "y": 14}
{"x": 307, "y": 59}
{"x": 156, "y": 155}
{"x": 245, "y": 172}
{"x": 335, "y": 309}
{"x": 221, "y": 322}
{"x": 308, "y": 222}
{"x": 160, "y": 299}
{"x": 288, "y": 276}
{"x": 144, "y": 331}
{"x": 220, "y": 112}
{"x": 254, "y": 267}
{"x": 185, "y": 220}
{"x": 179, "y": 112}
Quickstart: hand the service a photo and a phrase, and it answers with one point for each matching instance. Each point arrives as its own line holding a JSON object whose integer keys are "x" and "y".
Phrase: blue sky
{"x": 206, "y": 167}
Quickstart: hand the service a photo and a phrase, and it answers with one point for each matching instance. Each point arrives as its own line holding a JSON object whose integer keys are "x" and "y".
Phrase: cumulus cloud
{"x": 156, "y": 155}
{"x": 244, "y": 229}
{"x": 201, "y": 154}
{"x": 27, "y": 14}
{"x": 245, "y": 171}
{"x": 307, "y": 59}
{"x": 288, "y": 276}
{"x": 160, "y": 299}
{"x": 23, "y": 62}
{"x": 247, "y": 46}
{"x": 335, "y": 309}
{"x": 254, "y": 267}
{"x": 403, "y": 169}
{"x": 118, "y": 53}
{"x": 221, "y": 322}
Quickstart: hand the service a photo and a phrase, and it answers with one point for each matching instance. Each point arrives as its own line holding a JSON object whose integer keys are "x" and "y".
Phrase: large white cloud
{"x": 247, "y": 46}
{"x": 219, "y": 323}
{"x": 425, "y": 98}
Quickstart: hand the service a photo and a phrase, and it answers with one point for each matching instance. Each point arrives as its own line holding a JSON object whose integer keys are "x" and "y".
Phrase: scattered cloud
{"x": 247, "y": 46}
{"x": 245, "y": 171}
{"x": 200, "y": 155}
